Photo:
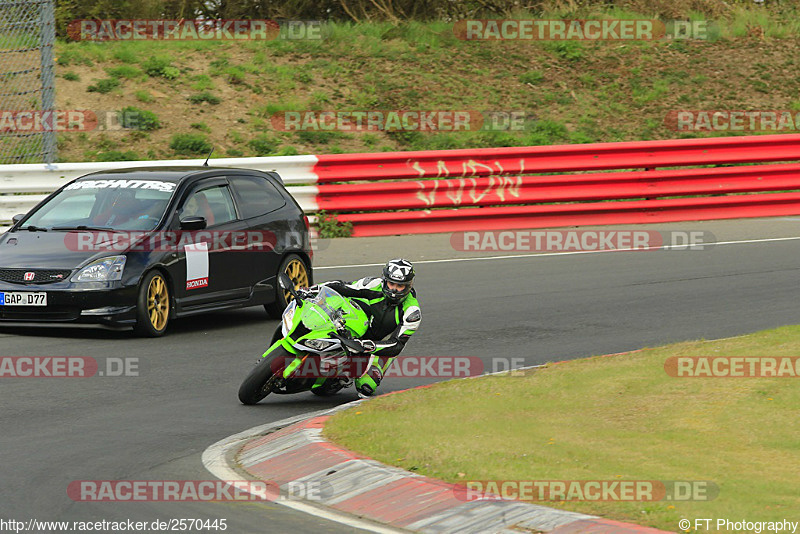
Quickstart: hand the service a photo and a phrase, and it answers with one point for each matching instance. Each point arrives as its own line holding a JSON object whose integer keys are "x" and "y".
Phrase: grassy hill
{"x": 223, "y": 93}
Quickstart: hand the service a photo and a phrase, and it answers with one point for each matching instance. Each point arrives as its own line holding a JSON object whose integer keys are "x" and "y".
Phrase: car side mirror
{"x": 193, "y": 222}
{"x": 17, "y": 218}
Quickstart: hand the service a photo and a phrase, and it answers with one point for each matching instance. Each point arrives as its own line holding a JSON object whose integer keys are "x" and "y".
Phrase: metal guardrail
{"x": 23, "y": 186}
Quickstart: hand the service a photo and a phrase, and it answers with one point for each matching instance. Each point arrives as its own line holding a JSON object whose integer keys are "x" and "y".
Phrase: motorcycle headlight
{"x": 102, "y": 270}
{"x": 317, "y": 344}
{"x": 288, "y": 316}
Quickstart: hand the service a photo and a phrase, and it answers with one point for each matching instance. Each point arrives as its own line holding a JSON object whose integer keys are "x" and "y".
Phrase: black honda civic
{"x": 138, "y": 247}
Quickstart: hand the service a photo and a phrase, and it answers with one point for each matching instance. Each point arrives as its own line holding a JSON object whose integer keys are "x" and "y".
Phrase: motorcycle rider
{"x": 390, "y": 302}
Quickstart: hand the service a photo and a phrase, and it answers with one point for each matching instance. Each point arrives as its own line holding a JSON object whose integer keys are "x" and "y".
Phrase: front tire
{"x": 152, "y": 306}
{"x": 294, "y": 266}
{"x": 256, "y": 385}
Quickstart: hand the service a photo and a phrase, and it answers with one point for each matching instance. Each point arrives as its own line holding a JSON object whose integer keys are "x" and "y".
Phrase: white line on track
{"x": 571, "y": 253}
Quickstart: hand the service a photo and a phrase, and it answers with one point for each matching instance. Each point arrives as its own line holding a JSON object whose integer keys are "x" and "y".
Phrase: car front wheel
{"x": 152, "y": 306}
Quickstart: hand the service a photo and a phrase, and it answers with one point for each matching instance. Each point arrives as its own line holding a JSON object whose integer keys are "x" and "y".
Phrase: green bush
{"x": 171, "y": 73}
{"x": 569, "y": 50}
{"x": 329, "y": 226}
{"x": 126, "y": 55}
{"x": 143, "y": 96}
{"x": 287, "y": 150}
{"x": 322, "y": 137}
{"x": 263, "y": 145}
{"x": 204, "y": 97}
{"x": 71, "y": 56}
{"x": 116, "y": 155}
{"x": 190, "y": 144}
{"x": 106, "y": 85}
{"x": 161, "y": 66}
{"x": 124, "y": 71}
{"x": 138, "y": 119}
{"x": 234, "y": 75}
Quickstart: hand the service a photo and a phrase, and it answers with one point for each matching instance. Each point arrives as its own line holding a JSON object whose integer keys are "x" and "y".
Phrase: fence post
{"x": 27, "y": 37}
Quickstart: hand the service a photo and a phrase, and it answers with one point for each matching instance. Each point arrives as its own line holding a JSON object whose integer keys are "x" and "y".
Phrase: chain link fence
{"x": 27, "y": 36}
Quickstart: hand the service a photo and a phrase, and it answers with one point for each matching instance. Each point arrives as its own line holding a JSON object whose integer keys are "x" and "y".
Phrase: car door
{"x": 214, "y": 269}
{"x": 260, "y": 204}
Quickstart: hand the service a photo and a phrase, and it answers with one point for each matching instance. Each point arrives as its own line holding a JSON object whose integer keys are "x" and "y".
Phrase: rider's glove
{"x": 367, "y": 345}
{"x": 306, "y": 292}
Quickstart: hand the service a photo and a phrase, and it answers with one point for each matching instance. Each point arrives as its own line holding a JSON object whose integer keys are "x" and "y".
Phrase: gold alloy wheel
{"x": 158, "y": 302}
{"x": 296, "y": 270}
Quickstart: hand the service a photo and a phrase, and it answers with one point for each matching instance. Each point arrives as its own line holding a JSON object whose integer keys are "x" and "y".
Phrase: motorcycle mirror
{"x": 287, "y": 285}
{"x": 285, "y": 281}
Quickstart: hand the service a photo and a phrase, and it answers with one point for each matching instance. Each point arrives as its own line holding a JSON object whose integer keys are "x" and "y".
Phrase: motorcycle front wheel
{"x": 258, "y": 383}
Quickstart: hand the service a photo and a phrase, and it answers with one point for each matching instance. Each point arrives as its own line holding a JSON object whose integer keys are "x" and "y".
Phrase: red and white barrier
{"x": 502, "y": 188}
{"x": 566, "y": 185}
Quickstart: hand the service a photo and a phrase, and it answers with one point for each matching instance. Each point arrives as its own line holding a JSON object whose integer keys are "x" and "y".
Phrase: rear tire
{"x": 294, "y": 266}
{"x": 153, "y": 306}
{"x": 254, "y": 388}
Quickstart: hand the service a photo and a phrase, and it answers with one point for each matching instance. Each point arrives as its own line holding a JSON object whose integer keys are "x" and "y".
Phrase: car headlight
{"x": 317, "y": 344}
{"x": 102, "y": 270}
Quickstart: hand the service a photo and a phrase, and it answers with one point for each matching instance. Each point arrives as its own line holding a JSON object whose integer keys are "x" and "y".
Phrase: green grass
{"x": 576, "y": 92}
{"x": 143, "y": 96}
{"x": 605, "y": 418}
{"x": 202, "y": 82}
{"x": 263, "y": 145}
{"x": 160, "y": 66}
{"x": 205, "y": 96}
{"x": 105, "y": 85}
{"x": 138, "y": 119}
{"x": 190, "y": 144}
{"x": 124, "y": 71}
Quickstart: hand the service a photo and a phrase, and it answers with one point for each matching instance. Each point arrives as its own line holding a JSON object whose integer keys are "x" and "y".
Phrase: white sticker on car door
{"x": 196, "y": 265}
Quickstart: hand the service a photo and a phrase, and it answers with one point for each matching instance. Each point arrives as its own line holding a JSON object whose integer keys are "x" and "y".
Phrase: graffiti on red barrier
{"x": 465, "y": 182}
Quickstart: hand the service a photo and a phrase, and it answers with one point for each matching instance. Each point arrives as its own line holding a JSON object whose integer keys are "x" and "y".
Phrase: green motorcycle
{"x": 315, "y": 348}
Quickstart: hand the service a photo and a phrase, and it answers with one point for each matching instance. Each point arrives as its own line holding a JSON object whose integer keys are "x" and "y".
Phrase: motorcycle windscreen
{"x": 321, "y": 312}
{"x": 316, "y": 317}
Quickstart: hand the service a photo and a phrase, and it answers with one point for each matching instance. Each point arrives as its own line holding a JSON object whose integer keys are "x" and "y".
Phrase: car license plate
{"x": 14, "y": 298}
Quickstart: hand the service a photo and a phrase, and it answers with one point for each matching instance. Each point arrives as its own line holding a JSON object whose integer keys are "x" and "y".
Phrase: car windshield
{"x": 326, "y": 310}
{"x": 104, "y": 204}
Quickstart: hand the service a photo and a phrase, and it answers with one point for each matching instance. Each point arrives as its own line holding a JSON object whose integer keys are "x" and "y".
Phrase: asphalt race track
{"x": 537, "y": 307}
